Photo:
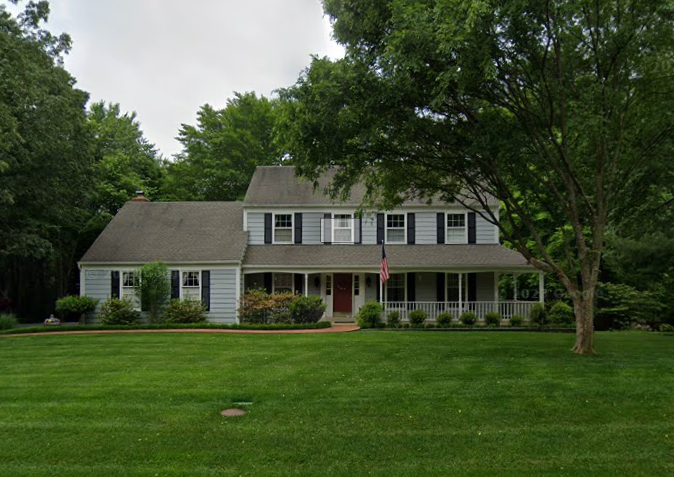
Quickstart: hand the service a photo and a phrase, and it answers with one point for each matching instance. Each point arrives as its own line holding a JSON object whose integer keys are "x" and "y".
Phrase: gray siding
{"x": 223, "y": 296}
{"x": 426, "y": 228}
{"x": 97, "y": 285}
{"x": 311, "y": 228}
{"x": 426, "y": 288}
{"x": 485, "y": 286}
{"x": 371, "y": 291}
{"x": 313, "y": 289}
{"x": 485, "y": 232}
{"x": 255, "y": 228}
{"x": 370, "y": 229}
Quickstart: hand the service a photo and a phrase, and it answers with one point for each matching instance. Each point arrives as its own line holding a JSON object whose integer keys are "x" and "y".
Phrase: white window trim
{"x": 356, "y": 277}
{"x": 353, "y": 238}
{"x": 273, "y": 281}
{"x": 292, "y": 228}
{"x": 122, "y": 287}
{"x": 181, "y": 271}
{"x": 465, "y": 235}
{"x": 386, "y": 228}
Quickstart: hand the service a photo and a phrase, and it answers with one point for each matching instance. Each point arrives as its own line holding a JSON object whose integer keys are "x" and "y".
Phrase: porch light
{"x": 368, "y": 281}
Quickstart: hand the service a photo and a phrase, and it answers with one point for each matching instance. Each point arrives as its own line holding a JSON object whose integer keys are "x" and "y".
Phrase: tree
{"x": 45, "y": 162}
{"x": 560, "y": 109}
{"x": 153, "y": 287}
{"x": 220, "y": 154}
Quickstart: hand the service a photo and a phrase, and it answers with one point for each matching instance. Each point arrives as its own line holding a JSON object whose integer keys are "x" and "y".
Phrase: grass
{"x": 381, "y": 404}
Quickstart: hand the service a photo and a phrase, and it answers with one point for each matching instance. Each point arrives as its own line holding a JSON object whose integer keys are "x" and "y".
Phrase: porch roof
{"x": 467, "y": 256}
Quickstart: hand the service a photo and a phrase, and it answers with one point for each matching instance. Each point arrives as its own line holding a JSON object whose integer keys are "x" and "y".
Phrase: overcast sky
{"x": 166, "y": 58}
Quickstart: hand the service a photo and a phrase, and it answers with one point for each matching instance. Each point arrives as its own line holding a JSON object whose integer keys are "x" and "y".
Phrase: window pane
{"x": 456, "y": 235}
{"x": 342, "y": 235}
{"x": 328, "y": 285}
{"x": 396, "y": 220}
{"x": 190, "y": 279}
{"x": 395, "y": 235}
{"x": 191, "y": 293}
{"x": 283, "y": 235}
{"x": 456, "y": 220}
{"x": 284, "y": 220}
{"x": 395, "y": 287}
{"x": 283, "y": 282}
{"x": 127, "y": 279}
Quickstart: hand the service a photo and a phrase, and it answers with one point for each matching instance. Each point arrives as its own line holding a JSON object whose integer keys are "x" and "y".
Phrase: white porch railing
{"x": 480, "y": 308}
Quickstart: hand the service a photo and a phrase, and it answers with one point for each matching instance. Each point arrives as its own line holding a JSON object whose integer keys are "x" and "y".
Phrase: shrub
{"x": 492, "y": 318}
{"x": 278, "y": 307}
{"x": 153, "y": 287}
{"x": 253, "y": 307}
{"x": 444, "y": 320}
{"x": 72, "y": 307}
{"x": 664, "y": 327}
{"x": 118, "y": 312}
{"x": 417, "y": 317}
{"x": 185, "y": 311}
{"x": 468, "y": 318}
{"x": 620, "y": 306}
{"x": 393, "y": 319}
{"x": 516, "y": 320}
{"x": 561, "y": 314}
{"x": 537, "y": 314}
{"x": 7, "y": 321}
{"x": 369, "y": 315}
{"x": 307, "y": 309}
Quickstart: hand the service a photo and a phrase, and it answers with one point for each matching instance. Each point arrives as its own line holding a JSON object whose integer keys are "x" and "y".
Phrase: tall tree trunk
{"x": 583, "y": 307}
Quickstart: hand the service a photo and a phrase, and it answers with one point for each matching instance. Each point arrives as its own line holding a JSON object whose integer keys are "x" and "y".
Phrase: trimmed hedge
{"x": 369, "y": 315}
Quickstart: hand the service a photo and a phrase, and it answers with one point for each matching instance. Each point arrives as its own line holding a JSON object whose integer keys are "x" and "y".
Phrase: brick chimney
{"x": 140, "y": 197}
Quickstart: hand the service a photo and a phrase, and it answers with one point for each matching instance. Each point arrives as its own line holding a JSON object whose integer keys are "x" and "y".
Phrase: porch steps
{"x": 342, "y": 318}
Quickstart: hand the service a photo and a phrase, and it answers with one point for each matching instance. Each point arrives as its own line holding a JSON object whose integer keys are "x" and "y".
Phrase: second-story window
{"x": 395, "y": 228}
{"x": 456, "y": 228}
{"x": 342, "y": 228}
{"x": 283, "y": 228}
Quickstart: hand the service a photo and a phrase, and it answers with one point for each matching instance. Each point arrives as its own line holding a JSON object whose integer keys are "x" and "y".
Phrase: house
{"x": 285, "y": 236}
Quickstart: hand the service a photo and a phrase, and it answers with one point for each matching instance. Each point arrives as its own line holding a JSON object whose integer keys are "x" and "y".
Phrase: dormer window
{"x": 456, "y": 228}
{"x": 395, "y": 228}
{"x": 283, "y": 228}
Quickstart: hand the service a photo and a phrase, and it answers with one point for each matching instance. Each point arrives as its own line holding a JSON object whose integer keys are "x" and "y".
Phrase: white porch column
{"x": 541, "y": 287}
{"x": 306, "y": 284}
{"x": 460, "y": 293}
{"x": 515, "y": 275}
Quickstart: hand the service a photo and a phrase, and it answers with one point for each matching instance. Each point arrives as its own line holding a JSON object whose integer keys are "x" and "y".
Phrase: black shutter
{"x": 411, "y": 228}
{"x": 440, "y": 285}
{"x": 298, "y": 227}
{"x": 114, "y": 284}
{"x": 380, "y": 228}
{"x": 411, "y": 286}
{"x": 359, "y": 230}
{"x": 175, "y": 284}
{"x": 267, "y": 282}
{"x": 206, "y": 288}
{"x": 472, "y": 287}
{"x": 327, "y": 228}
{"x": 299, "y": 284}
{"x": 440, "y": 220}
{"x": 267, "y": 228}
{"x": 472, "y": 233}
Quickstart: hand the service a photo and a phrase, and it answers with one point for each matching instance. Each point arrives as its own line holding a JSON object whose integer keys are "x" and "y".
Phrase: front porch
{"x": 433, "y": 308}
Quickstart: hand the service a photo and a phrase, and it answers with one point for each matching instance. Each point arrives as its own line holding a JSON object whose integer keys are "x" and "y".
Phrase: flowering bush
{"x": 258, "y": 306}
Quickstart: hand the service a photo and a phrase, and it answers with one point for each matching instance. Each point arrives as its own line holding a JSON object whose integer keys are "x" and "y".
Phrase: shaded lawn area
{"x": 366, "y": 403}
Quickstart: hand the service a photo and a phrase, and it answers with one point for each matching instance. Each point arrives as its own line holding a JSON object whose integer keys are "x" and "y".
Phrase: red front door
{"x": 342, "y": 293}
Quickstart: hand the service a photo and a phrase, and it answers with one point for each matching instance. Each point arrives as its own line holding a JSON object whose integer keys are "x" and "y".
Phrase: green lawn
{"x": 366, "y": 403}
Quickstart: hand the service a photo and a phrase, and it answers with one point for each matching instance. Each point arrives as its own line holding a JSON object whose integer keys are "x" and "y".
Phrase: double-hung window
{"x": 191, "y": 285}
{"x": 283, "y": 228}
{"x": 453, "y": 287}
{"x": 395, "y": 287}
{"x": 128, "y": 291}
{"x": 283, "y": 282}
{"x": 456, "y": 228}
{"x": 342, "y": 228}
{"x": 395, "y": 228}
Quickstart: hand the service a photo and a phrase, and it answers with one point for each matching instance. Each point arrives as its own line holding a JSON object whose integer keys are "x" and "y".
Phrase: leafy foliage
{"x": 393, "y": 318}
{"x": 516, "y": 320}
{"x": 622, "y": 306}
{"x": 444, "y": 319}
{"x": 72, "y": 306}
{"x": 369, "y": 315}
{"x": 118, "y": 312}
{"x": 468, "y": 318}
{"x": 258, "y": 306}
{"x": 561, "y": 314}
{"x": 492, "y": 319}
{"x": 538, "y": 315}
{"x": 153, "y": 287}
{"x": 184, "y": 311}
{"x": 417, "y": 317}
{"x": 7, "y": 321}
{"x": 306, "y": 309}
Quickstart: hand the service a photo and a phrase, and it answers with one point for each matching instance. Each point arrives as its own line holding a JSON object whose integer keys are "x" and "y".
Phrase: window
{"x": 395, "y": 287}
{"x": 356, "y": 285}
{"x": 328, "y": 284}
{"x": 342, "y": 228}
{"x": 456, "y": 228}
{"x": 452, "y": 287}
{"x": 128, "y": 292}
{"x": 283, "y": 282}
{"x": 191, "y": 285}
{"x": 395, "y": 228}
{"x": 283, "y": 228}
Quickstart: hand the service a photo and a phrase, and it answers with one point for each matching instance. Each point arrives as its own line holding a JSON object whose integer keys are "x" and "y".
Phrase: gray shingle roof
{"x": 172, "y": 232}
{"x": 369, "y": 256}
{"x": 278, "y": 186}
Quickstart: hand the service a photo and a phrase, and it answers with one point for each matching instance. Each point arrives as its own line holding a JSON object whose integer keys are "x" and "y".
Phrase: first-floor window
{"x": 356, "y": 285}
{"x": 453, "y": 286}
{"x": 128, "y": 290}
{"x": 191, "y": 285}
{"x": 283, "y": 282}
{"x": 328, "y": 284}
{"x": 395, "y": 287}
{"x": 283, "y": 228}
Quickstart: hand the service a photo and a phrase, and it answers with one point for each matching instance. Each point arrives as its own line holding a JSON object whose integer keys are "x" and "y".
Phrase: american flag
{"x": 384, "y": 274}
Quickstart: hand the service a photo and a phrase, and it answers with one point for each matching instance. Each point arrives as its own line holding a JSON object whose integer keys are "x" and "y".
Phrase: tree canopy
{"x": 561, "y": 109}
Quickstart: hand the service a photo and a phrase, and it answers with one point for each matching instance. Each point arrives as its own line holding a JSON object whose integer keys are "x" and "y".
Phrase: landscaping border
{"x": 479, "y": 329}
